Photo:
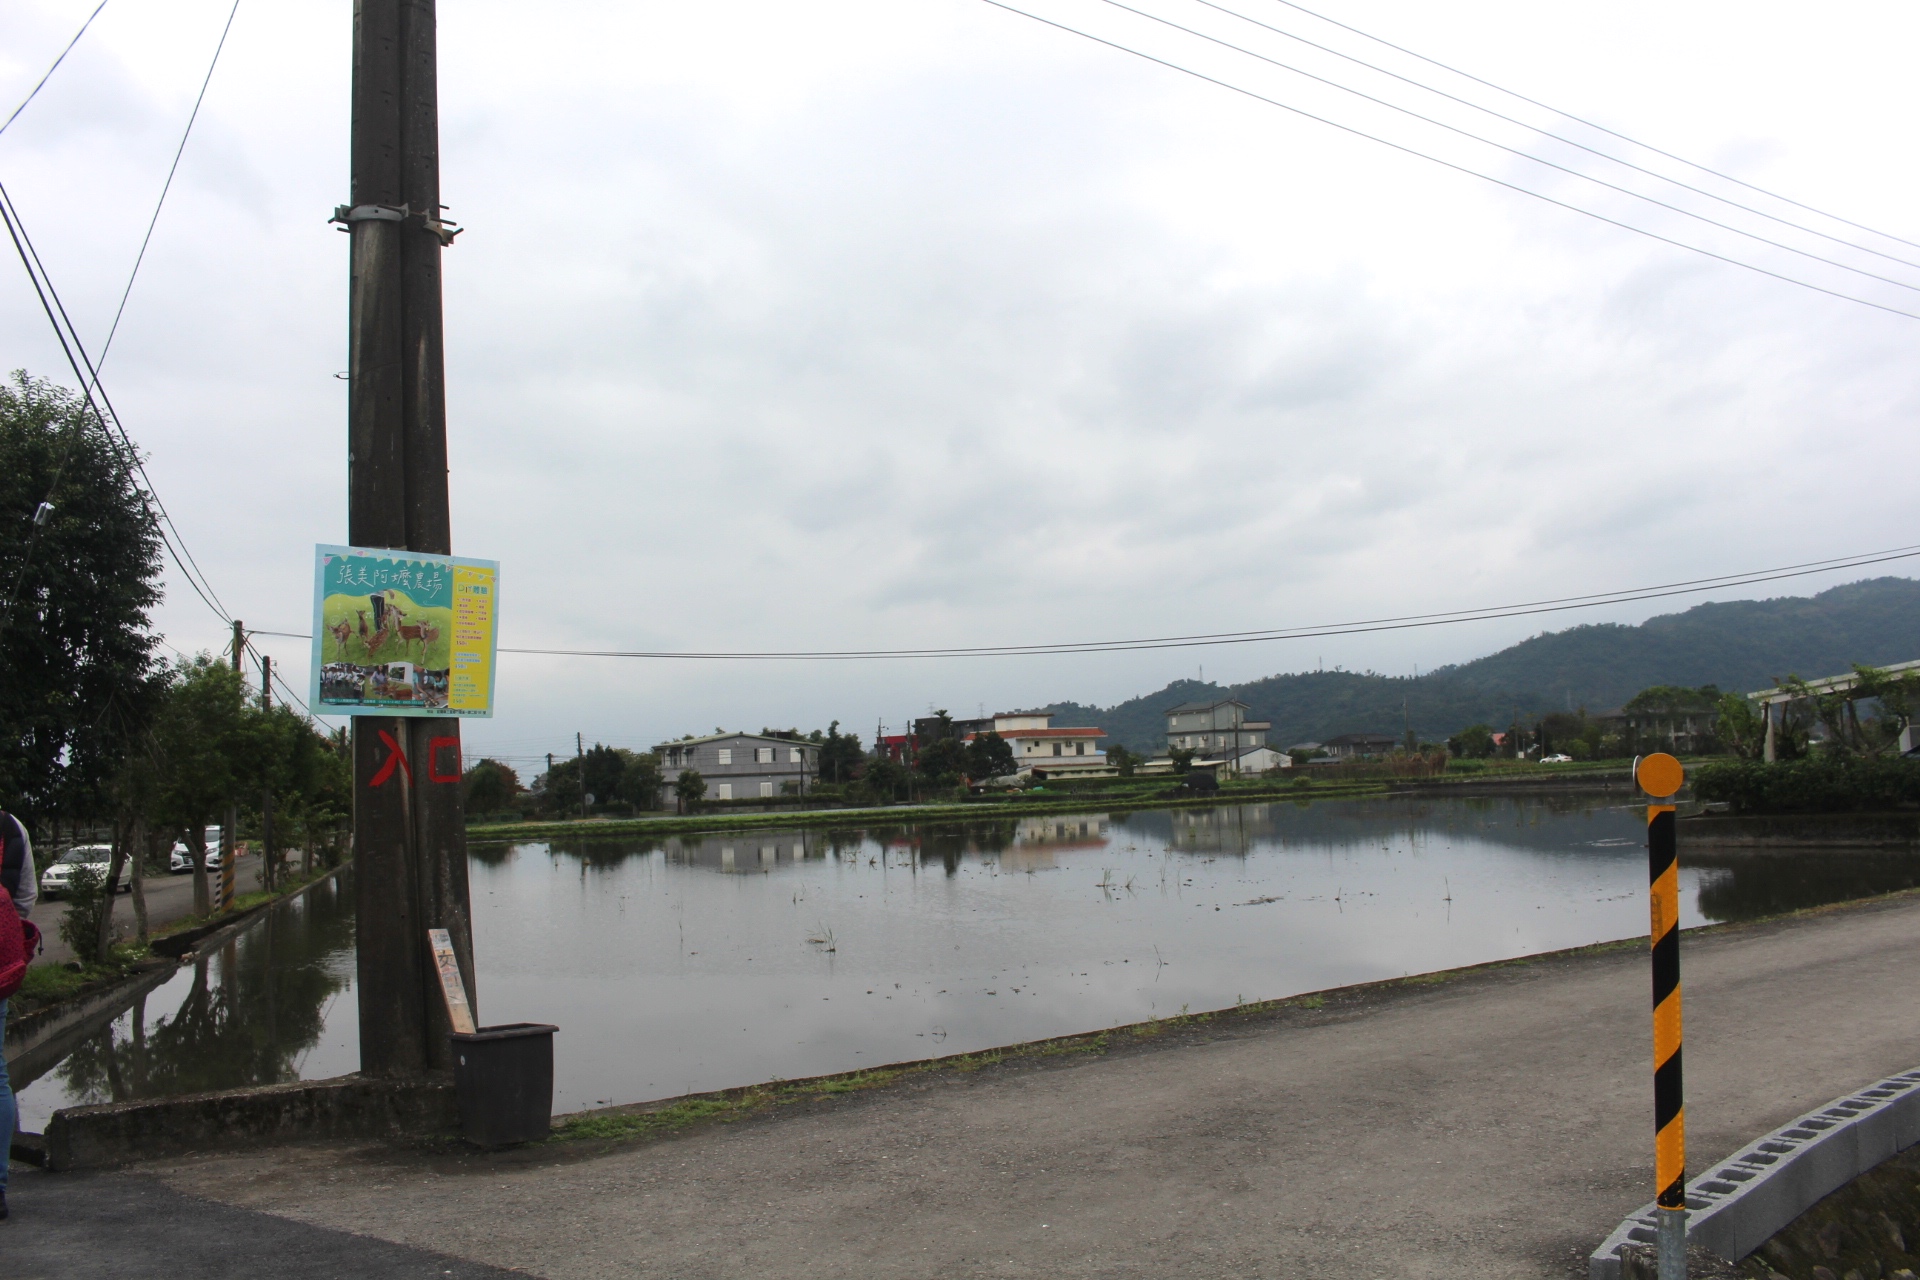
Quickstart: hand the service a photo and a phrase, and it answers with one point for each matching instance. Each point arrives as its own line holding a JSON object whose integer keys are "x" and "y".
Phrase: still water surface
{"x": 686, "y": 964}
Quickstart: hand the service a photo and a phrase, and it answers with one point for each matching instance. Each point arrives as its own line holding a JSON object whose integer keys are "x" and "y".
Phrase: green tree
{"x": 691, "y": 788}
{"x": 559, "y": 788}
{"x": 1182, "y": 758}
{"x": 1740, "y": 727}
{"x": 840, "y": 755}
{"x": 640, "y": 783}
{"x": 77, "y": 579}
{"x": 991, "y": 756}
{"x": 885, "y": 780}
{"x": 490, "y": 787}
{"x": 1475, "y": 742}
{"x": 201, "y": 737}
{"x": 1118, "y": 756}
{"x": 601, "y": 769}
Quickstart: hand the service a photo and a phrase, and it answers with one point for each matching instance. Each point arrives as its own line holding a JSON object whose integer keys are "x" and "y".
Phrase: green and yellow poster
{"x": 398, "y": 633}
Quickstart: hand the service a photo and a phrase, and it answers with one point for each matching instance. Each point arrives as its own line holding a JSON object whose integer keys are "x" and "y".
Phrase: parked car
{"x": 180, "y": 859}
{"x": 55, "y": 880}
{"x": 1556, "y": 759}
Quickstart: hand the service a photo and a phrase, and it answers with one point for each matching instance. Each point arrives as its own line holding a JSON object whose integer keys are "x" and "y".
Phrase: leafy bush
{"x": 86, "y": 895}
{"x": 1810, "y": 786}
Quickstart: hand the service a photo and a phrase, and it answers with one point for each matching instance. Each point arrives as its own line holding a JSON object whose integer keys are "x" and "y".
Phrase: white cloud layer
{"x": 869, "y": 324}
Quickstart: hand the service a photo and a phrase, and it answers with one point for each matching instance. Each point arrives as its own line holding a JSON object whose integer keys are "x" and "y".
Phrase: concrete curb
{"x": 349, "y": 1107}
{"x": 1745, "y": 1200}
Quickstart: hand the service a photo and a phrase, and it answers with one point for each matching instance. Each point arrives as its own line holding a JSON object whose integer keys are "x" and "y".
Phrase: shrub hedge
{"x": 1810, "y": 786}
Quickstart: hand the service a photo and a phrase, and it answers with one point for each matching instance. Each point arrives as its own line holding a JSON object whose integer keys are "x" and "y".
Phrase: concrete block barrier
{"x": 346, "y": 1107}
{"x": 1742, "y": 1202}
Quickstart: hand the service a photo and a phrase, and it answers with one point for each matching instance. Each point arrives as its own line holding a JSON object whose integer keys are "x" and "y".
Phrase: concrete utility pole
{"x": 580, "y": 767}
{"x": 266, "y": 793}
{"x": 409, "y": 834}
{"x": 230, "y": 830}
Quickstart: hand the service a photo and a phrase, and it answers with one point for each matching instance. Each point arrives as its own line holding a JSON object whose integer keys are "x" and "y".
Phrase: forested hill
{"x": 1740, "y": 645}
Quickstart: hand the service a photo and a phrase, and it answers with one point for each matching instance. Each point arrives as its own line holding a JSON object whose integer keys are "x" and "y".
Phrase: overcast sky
{"x": 858, "y": 324}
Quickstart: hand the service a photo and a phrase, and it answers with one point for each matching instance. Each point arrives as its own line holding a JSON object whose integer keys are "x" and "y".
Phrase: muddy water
{"x": 688, "y": 964}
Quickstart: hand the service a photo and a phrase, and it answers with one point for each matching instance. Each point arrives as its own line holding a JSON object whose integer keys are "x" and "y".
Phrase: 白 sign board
{"x": 399, "y": 633}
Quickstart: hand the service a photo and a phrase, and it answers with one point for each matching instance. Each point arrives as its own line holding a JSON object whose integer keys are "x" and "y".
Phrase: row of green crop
{"x": 1844, "y": 785}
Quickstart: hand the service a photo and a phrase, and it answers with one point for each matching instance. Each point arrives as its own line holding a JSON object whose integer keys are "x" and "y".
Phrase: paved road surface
{"x": 169, "y": 898}
{"x": 1492, "y": 1126}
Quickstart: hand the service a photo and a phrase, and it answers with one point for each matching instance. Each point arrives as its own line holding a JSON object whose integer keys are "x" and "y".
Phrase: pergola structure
{"x": 1769, "y": 699}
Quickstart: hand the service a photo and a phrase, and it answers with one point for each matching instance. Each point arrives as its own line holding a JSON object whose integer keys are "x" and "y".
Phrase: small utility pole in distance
{"x": 580, "y": 765}
{"x": 409, "y": 833}
{"x": 266, "y": 792}
{"x": 229, "y": 832}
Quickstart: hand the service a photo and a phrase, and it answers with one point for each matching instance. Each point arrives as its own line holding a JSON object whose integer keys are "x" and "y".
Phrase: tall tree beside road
{"x": 77, "y": 579}
{"x": 201, "y": 736}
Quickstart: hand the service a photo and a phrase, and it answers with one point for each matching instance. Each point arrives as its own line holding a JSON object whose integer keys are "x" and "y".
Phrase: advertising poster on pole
{"x": 400, "y": 633}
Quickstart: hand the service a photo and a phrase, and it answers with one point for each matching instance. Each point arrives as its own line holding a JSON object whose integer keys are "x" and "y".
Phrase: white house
{"x": 1057, "y": 753}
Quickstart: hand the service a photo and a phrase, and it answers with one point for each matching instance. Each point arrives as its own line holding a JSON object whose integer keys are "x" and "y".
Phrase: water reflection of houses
{"x": 754, "y": 851}
{"x": 1038, "y": 842}
{"x": 1230, "y": 829}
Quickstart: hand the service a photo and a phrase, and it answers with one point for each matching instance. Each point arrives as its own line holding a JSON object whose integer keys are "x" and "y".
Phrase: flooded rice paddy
{"x": 685, "y": 964}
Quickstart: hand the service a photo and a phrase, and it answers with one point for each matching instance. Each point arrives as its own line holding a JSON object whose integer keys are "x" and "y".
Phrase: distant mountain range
{"x": 1740, "y": 645}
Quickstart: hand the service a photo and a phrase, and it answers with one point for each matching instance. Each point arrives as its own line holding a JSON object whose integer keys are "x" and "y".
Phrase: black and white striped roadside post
{"x": 1660, "y": 776}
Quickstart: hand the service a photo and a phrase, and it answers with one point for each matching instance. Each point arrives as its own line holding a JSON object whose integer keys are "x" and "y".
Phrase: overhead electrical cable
{"x": 1458, "y": 168}
{"x": 165, "y": 187}
{"x": 1645, "y": 146}
{"x": 1513, "y": 151}
{"x": 32, "y": 93}
{"x": 88, "y": 381}
{"x": 1561, "y": 138}
{"x": 1560, "y": 604}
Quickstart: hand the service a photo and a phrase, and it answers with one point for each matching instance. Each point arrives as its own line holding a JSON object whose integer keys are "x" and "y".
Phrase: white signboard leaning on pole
{"x": 399, "y": 633}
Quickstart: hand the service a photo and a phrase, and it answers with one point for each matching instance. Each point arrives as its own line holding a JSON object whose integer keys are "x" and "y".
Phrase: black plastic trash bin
{"x": 503, "y": 1077}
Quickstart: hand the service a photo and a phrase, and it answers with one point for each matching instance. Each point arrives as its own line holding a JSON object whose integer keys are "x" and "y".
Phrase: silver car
{"x": 55, "y": 880}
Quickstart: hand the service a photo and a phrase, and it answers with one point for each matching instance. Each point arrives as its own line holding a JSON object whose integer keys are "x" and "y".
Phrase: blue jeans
{"x": 8, "y": 1112}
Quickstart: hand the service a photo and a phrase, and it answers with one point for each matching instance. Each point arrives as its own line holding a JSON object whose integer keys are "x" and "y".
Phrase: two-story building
{"x": 1214, "y": 727}
{"x": 1056, "y": 753}
{"x": 742, "y": 766}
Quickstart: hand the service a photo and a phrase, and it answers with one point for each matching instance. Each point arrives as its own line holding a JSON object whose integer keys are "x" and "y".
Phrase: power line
{"x": 165, "y": 186}
{"x": 55, "y": 67}
{"x": 1513, "y": 151}
{"x": 1407, "y": 622}
{"x": 1458, "y": 168}
{"x": 1725, "y": 177}
{"x": 69, "y": 340}
{"x": 1548, "y": 133}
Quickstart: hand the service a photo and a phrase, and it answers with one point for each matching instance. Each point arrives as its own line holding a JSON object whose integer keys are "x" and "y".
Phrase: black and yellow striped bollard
{"x": 1660, "y": 776}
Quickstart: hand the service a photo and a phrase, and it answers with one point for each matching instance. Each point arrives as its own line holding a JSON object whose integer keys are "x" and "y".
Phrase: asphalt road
{"x": 169, "y": 898}
{"x": 1491, "y": 1126}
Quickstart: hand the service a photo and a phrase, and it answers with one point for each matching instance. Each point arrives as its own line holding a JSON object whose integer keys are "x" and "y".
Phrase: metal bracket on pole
{"x": 441, "y": 230}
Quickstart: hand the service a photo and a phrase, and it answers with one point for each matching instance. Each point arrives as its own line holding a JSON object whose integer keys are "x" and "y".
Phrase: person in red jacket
{"x": 19, "y": 882}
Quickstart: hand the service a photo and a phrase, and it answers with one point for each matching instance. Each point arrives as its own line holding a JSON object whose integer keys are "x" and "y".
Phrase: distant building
{"x": 1214, "y": 726}
{"x": 1035, "y": 742}
{"x": 742, "y": 766}
{"x": 1055, "y": 752}
{"x": 1244, "y": 761}
{"x": 1358, "y": 746}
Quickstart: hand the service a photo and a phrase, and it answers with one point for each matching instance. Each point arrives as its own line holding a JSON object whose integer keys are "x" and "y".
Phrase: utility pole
{"x": 409, "y": 834}
{"x": 580, "y": 767}
{"x": 230, "y": 829}
{"x": 266, "y": 792}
